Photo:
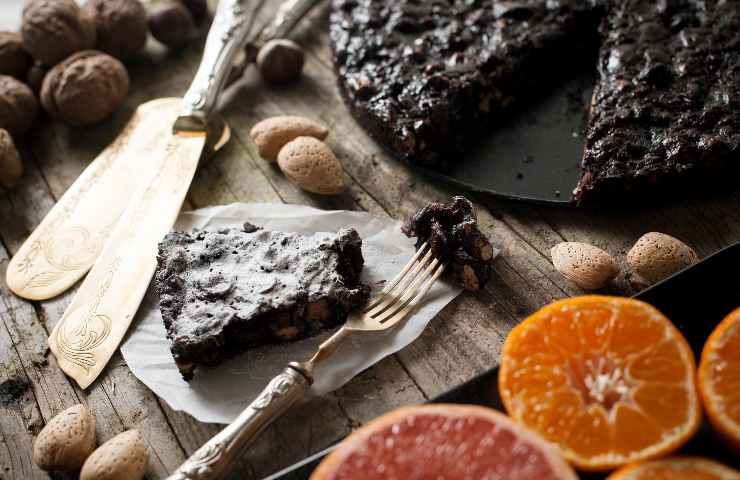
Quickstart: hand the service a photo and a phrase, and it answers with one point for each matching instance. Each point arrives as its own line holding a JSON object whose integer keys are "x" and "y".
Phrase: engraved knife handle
{"x": 228, "y": 33}
{"x": 216, "y": 458}
{"x": 289, "y": 13}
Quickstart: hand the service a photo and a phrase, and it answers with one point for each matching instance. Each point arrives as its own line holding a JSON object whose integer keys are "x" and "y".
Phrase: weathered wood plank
{"x": 132, "y": 406}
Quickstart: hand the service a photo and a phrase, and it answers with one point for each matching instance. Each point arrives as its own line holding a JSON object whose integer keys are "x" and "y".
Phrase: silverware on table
{"x": 69, "y": 240}
{"x": 100, "y": 313}
{"x": 401, "y": 295}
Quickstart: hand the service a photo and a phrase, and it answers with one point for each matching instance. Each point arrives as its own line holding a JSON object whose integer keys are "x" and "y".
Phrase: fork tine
{"x": 399, "y": 315}
{"x": 401, "y": 286}
{"x": 400, "y": 301}
{"x": 421, "y": 251}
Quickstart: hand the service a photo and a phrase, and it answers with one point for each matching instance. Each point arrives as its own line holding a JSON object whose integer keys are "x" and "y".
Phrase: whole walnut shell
{"x": 18, "y": 106}
{"x": 85, "y": 88}
{"x": 11, "y": 166}
{"x": 14, "y": 59}
{"x": 54, "y": 29}
{"x": 121, "y": 26}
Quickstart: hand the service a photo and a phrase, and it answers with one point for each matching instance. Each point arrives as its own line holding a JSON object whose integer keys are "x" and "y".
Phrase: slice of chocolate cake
{"x": 223, "y": 292}
{"x": 666, "y": 109}
{"x": 452, "y": 232}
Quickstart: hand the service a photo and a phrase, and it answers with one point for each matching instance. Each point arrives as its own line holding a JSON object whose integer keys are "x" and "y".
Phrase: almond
{"x": 310, "y": 164}
{"x": 656, "y": 256}
{"x": 66, "y": 440}
{"x": 589, "y": 267}
{"x": 123, "y": 457}
{"x": 271, "y": 134}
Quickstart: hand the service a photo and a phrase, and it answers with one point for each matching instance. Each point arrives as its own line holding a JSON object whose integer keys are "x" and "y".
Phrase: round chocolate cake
{"x": 428, "y": 78}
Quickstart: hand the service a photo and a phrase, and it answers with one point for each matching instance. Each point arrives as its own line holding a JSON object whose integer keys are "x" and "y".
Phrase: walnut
{"x": 172, "y": 24}
{"x": 35, "y": 77}
{"x": 11, "y": 167}
{"x": 18, "y": 106}
{"x": 55, "y": 29}
{"x": 280, "y": 61}
{"x": 85, "y": 88}
{"x": 121, "y": 26}
{"x": 14, "y": 59}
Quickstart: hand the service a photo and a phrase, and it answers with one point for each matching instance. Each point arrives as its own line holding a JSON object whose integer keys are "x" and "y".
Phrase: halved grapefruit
{"x": 451, "y": 442}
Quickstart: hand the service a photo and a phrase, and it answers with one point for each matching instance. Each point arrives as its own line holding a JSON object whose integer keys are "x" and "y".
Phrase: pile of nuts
{"x": 654, "y": 257}
{"x": 296, "y": 144}
{"x": 68, "y": 58}
{"x": 66, "y": 444}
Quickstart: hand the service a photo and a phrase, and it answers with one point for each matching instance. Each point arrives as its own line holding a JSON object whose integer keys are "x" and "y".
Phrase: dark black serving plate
{"x": 696, "y": 300}
{"x": 534, "y": 156}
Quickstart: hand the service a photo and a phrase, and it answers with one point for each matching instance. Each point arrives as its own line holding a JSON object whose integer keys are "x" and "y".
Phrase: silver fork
{"x": 399, "y": 298}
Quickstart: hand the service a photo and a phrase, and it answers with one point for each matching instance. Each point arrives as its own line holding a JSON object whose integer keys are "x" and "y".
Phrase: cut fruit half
{"x": 719, "y": 379}
{"x": 677, "y": 468}
{"x": 609, "y": 380}
{"x": 451, "y": 442}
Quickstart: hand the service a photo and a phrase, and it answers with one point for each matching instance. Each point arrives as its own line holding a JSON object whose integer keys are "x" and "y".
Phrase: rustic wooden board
{"x": 463, "y": 340}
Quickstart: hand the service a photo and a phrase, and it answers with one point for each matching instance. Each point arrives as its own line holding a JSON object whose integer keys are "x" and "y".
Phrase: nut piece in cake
{"x": 452, "y": 232}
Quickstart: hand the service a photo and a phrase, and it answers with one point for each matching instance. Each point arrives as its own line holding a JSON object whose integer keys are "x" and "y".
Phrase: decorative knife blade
{"x": 94, "y": 323}
{"x": 66, "y": 243}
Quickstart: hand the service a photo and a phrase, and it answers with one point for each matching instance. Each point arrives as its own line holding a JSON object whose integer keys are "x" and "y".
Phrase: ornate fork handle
{"x": 216, "y": 458}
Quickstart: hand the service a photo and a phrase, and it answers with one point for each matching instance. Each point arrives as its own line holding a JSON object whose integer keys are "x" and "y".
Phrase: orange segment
{"x": 450, "y": 442}
{"x": 610, "y": 380}
{"x": 719, "y": 378}
{"x": 676, "y": 468}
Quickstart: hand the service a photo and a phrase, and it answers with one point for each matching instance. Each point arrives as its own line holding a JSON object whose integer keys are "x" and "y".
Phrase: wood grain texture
{"x": 462, "y": 341}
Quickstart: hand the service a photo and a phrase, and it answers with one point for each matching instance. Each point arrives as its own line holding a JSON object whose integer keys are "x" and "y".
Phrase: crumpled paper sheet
{"x": 220, "y": 393}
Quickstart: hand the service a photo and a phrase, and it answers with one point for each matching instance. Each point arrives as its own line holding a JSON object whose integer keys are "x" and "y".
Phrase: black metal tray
{"x": 696, "y": 300}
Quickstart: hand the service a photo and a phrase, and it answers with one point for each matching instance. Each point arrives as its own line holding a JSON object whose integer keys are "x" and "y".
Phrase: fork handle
{"x": 216, "y": 457}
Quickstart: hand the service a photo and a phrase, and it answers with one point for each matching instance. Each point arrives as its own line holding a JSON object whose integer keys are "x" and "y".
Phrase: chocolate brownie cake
{"x": 426, "y": 78}
{"x": 666, "y": 108}
{"x": 452, "y": 232}
{"x": 223, "y": 292}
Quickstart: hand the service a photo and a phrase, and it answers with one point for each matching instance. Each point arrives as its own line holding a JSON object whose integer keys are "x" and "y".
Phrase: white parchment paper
{"x": 218, "y": 394}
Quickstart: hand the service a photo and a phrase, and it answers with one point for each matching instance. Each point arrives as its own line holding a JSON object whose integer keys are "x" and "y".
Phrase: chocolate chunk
{"x": 452, "y": 232}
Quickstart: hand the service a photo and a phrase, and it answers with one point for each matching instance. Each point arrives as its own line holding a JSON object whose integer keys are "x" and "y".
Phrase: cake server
{"x": 215, "y": 459}
{"x": 66, "y": 243}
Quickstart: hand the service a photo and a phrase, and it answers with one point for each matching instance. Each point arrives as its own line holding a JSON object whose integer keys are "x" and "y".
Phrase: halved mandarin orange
{"x": 676, "y": 468}
{"x": 442, "y": 441}
{"x": 609, "y": 380}
{"x": 719, "y": 378}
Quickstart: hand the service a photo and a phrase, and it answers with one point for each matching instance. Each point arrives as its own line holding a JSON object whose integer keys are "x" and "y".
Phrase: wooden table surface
{"x": 462, "y": 341}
